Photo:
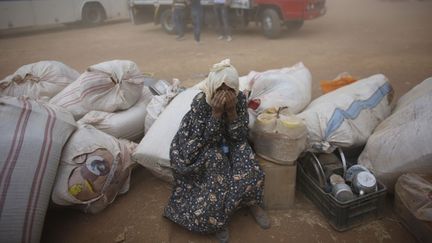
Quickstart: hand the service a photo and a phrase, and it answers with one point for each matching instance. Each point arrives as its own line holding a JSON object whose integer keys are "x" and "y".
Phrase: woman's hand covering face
{"x": 230, "y": 101}
{"x": 224, "y": 100}
{"x": 218, "y": 103}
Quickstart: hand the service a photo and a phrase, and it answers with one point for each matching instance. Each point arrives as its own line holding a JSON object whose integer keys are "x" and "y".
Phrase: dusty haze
{"x": 362, "y": 37}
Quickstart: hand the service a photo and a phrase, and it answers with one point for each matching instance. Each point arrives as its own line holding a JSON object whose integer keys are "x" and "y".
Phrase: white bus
{"x": 26, "y": 13}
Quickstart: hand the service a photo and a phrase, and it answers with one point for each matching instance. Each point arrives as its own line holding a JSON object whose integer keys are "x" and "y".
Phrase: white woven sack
{"x": 127, "y": 124}
{"x": 414, "y": 190}
{"x": 109, "y": 86}
{"x": 33, "y": 134}
{"x": 244, "y": 83}
{"x": 347, "y": 116}
{"x": 402, "y": 142}
{"x": 158, "y": 103}
{"x": 153, "y": 150}
{"x": 420, "y": 90}
{"x": 77, "y": 154}
{"x": 155, "y": 108}
{"x": 287, "y": 87}
{"x": 40, "y": 80}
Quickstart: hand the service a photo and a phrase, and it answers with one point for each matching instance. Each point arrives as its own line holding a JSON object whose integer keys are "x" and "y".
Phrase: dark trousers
{"x": 197, "y": 15}
{"x": 178, "y": 19}
{"x": 221, "y": 14}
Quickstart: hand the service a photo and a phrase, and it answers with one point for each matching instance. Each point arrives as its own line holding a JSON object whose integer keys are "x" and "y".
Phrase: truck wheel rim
{"x": 267, "y": 23}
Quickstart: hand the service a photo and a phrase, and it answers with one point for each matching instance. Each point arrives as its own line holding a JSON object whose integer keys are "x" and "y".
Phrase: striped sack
{"x": 110, "y": 86}
{"x": 40, "y": 80}
{"x": 127, "y": 124}
{"x": 32, "y": 137}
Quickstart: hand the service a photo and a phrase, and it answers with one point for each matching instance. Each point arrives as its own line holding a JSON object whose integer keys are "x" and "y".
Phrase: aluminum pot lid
{"x": 366, "y": 179}
{"x": 353, "y": 170}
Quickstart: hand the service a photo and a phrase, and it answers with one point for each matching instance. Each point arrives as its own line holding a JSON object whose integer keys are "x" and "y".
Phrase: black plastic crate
{"x": 343, "y": 216}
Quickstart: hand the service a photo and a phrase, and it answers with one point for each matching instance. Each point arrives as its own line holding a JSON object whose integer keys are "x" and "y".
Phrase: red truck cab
{"x": 296, "y": 9}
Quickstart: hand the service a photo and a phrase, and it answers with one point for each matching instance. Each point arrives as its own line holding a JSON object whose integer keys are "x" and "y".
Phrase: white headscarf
{"x": 220, "y": 73}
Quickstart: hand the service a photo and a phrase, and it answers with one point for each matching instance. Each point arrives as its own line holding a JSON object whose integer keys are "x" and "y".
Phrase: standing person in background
{"x": 197, "y": 15}
{"x": 178, "y": 14}
{"x": 221, "y": 14}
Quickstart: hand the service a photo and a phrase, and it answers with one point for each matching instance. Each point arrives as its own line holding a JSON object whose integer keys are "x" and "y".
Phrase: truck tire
{"x": 166, "y": 21}
{"x": 271, "y": 23}
{"x": 93, "y": 14}
{"x": 294, "y": 25}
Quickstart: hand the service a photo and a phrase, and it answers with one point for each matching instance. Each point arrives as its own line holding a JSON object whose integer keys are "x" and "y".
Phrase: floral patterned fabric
{"x": 210, "y": 183}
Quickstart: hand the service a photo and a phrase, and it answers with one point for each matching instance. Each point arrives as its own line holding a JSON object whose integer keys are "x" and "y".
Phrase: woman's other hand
{"x": 218, "y": 103}
{"x": 231, "y": 104}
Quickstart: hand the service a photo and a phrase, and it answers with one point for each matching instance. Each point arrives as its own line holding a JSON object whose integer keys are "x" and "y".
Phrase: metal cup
{"x": 342, "y": 192}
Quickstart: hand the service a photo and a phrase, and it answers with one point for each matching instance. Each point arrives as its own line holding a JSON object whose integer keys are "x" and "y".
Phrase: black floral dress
{"x": 214, "y": 167}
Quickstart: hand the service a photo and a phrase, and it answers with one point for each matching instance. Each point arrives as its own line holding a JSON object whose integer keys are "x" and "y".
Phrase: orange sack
{"x": 340, "y": 81}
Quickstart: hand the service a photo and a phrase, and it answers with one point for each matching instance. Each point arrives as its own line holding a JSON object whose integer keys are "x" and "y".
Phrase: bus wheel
{"x": 93, "y": 14}
{"x": 166, "y": 21}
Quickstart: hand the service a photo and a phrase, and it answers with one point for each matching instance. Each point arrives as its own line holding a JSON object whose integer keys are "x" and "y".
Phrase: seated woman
{"x": 214, "y": 167}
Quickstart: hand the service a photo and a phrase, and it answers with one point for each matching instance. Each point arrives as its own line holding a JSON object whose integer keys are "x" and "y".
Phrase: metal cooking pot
{"x": 364, "y": 182}
{"x": 353, "y": 171}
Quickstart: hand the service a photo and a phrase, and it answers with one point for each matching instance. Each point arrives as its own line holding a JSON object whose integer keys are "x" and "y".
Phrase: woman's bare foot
{"x": 223, "y": 235}
{"x": 260, "y": 216}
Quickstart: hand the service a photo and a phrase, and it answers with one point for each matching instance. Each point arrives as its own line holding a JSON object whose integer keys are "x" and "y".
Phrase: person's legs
{"x": 178, "y": 16}
{"x": 244, "y": 164}
{"x": 225, "y": 22}
{"x": 197, "y": 20}
{"x": 181, "y": 21}
{"x": 197, "y": 201}
{"x": 247, "y": 184}
{"x": 175, "y": 19}
{"x": 219, "y": 22}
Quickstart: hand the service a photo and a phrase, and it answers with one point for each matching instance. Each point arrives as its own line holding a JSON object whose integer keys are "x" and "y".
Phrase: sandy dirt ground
{"x": 362, "y": 37}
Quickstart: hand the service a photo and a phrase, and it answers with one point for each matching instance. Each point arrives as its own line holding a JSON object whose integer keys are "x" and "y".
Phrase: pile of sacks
{"x": 69, "y": 134}
{"x": 288, "y": 87}
{"x": 352, "y": 115}
{"x": 82, "y": 129}
{"x": 109, "y": 102}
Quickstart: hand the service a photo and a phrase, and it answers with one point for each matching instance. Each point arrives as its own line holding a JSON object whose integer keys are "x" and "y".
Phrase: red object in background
{"x": 254, "y": 104}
